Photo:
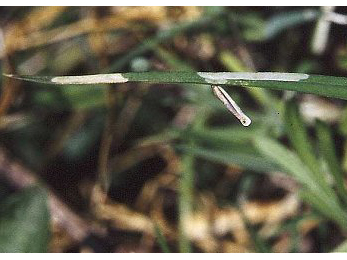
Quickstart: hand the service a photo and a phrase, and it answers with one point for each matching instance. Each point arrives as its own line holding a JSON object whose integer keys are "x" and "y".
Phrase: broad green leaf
{"x": 315, "y": 84}
{"x": 24, "y": 222}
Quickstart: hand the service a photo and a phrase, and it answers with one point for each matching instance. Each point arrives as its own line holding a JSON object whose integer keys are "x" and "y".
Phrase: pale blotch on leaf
{"x": 90, "y": 79}
{"x": 223, "y": 77}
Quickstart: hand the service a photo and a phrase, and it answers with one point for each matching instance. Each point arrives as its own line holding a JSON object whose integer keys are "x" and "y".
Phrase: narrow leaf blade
{"x": 327, "y": 148}
{"x": 315, "y": 84}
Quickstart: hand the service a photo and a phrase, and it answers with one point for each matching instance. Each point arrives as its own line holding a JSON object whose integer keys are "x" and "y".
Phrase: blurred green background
{"x": 162, "y": 167}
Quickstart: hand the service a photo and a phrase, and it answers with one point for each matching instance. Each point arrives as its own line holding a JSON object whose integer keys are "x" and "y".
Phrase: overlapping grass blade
{"x": 313, "y": 193}
{"x": 298, "y": 136}
{"x": 250, "y": 161}
{"x": 263, "y": 96}
{"x": 223, "y": 138}
{"x": 327, "y": 149}
{"x": 322, "y": 206}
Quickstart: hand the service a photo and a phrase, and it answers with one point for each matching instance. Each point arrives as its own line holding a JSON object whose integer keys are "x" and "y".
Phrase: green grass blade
{"x": 178, "y": 64}
{"x": 263, "y": 96}
{"x": 185, "y": 201}
{"x": 287, "y": 160}
{"x": 222, "y": 138}
{"x": 164, "y": 35}
{"x": 342, "y": 248}
{"x": 283, "y": 21}
{"x": 291, "y": 163}
{"x": 324, "y": 207}
{"x": 315, "y": 84}
{"x": 297, "y": 134}
{"x": 259, "y": 244}
{"x": 161, "y": 239}
{"x": 173, "y": 60}
{"x": 250, "y": 161}
{"x": 327, "y": 148}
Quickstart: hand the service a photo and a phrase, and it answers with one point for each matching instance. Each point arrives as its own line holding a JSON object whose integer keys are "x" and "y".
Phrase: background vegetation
{"x": 140, "y": 167}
